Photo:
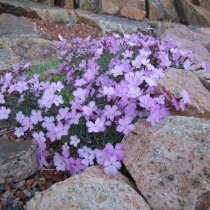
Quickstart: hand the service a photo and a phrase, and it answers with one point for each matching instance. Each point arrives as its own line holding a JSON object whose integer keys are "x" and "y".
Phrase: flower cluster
{"x": 95, "y": 96}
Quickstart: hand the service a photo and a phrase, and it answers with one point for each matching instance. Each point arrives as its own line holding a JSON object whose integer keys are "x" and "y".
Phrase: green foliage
{"x": 42, "y": 69}
{"x": 60, "y": 17}
{"x": 153, "y": 24}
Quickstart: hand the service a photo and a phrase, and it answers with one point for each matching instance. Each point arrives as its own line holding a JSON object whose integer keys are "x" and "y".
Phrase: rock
{"x": 133, "y": 13}
{"x": 12, "y": 26}
{"x": 109, "y": 23}
{"x": 19, "y": 41}
{"x": 31, "y": 9}
{"x": 176, "y": 80}
{"x": 89, "y": 5}
{"x": 170, "y": 162}
{"x": 155, "y": 10}
{"x": 204, "y": 31}
{"x": 208, "y": 47}
{"x": 97, "y": 190}
{"x": 111, "y": 7}
{"x": 139, "y": 4}
{"x": 69, "y": 4}
{"x": 17, "y": 160}
{"x": 27, "y": 49}
{"x": 192, "y": 14}
{"x": 194, "y": 36}
{"x": 170, "y": 10}
{"x": 205, "y": 4}
{"x": 47, "y": 2}
{"x": 196, "y": 42}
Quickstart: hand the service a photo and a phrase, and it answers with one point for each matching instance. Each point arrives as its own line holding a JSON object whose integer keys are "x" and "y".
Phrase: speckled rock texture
{"x": 27, "y": 49}
{"x": 170, "y": 162}
{"x": 111, "y": 7}
{"x": 133, "y": 13}
{"x": 90, "y": 190}
{"x": 110, "y": 23}
{"x": 19, "y": 41}
{"x": 193, "y": 36}
{"x": 139, "y": 4}
{"x": 192, "y": 14}
{"x": 170, "y": 10}
{"x": 176, "y": 80}
{"x": 197, "y": 41}
{"x": 155, "y": 9}
{"x": 17, "y": 160}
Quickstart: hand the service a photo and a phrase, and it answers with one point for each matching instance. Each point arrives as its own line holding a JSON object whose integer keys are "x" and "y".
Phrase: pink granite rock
{"x": 195, "y": 41}
{"x": 133, "y": 13}
{"x": 139, "y": 4}
{"x": 91, "y": 189}
{"x": 192, "y": 14}
{"x": 155, "y": 10}
{"x": 17, "y": 160}
{"x": 204, "y": 31}
{"x": 170, "y": 163}
{"x": 176, "y": 80}
{"x": 111, "y": 7}
{"x": 187, "y": 34}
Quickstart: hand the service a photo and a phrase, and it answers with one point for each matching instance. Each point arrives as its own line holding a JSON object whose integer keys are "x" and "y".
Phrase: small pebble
{"x": 34, "y": 190}
{"x": 11, "y": 200}
{"x": 7, "y": 188}
{"x": 6, "y": 194}
{"x": 13, "y": 185}
{"x": 27, "y": 193}
{"x": 34, "y": 184}
{"x": 1, "y": 188}
{"x": 9, "y": 208}
{"x": 3, "y": 203}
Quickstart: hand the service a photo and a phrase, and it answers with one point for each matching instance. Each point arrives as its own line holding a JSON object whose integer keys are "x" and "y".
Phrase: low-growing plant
{"x": 95, "y": 96}
{"x": 153, "y": 24}
{"x": 60, "y": 17}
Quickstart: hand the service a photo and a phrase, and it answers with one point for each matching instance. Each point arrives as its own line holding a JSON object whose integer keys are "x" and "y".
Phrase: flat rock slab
{"x": 12, "y": 26}
{"x": 17, "y": 160}
{"x": 30, "y": 9}
{"x": 27, "y": 49}
{"x": 170, "y": 162}
{"x": 110, "y": 23}
{"x": 91, "y": 189}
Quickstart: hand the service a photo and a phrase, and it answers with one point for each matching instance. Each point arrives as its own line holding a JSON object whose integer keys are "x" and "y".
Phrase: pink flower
{"x": 63, "y": 114}
{"x": 36, "y": 116}
{"x": 19, "y": 131}
{"x": 75, "y": 166}
{"x": 111, "y": 111}
{"x": 186, "y": 97}
{"x": 19, "y": 117}
{"x": 40, "y": 139}
{"x": 4, "y": 113}
{"x": 74, "y": 140}
{"x": 74, "y": 117}
{"x": 125, "y": 125}
{"x": 98, "y": 126}
{"x": 51, "y": 134}
{"x": 2, "y": 101}
{"x": 21, "y": 86}
{"x": 111, "y": 165}
{"x": 48, "y": 122}
{"x": 57, "y": 100}
{"x": 101, "y": 156}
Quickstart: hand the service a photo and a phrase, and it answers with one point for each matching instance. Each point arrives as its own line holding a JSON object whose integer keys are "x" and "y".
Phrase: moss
{"x": 153, "y": 24}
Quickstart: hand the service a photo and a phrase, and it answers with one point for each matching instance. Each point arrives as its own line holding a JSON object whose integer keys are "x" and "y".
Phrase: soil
{"x": 51, "y": 31}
